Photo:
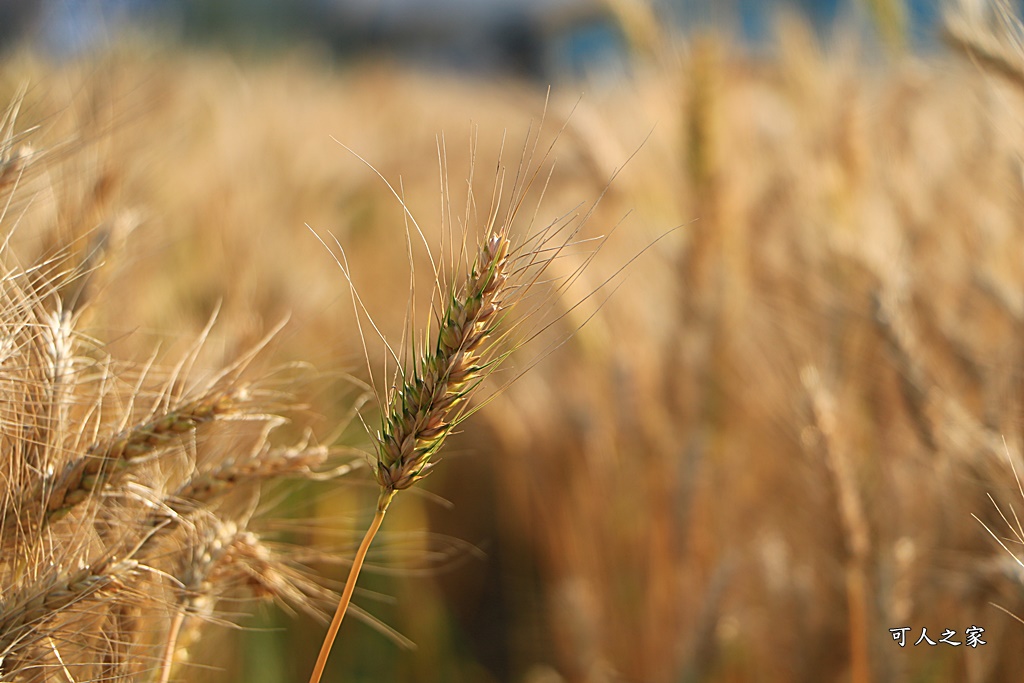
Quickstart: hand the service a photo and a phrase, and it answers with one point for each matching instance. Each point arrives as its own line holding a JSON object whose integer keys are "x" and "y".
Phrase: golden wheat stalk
{"x": 92, "y": 595}
{"x": 270, "y": 464}
{"x": 25, "y": 615}
{"x": 421, "y": 412}
{"x": 105, "y": 460}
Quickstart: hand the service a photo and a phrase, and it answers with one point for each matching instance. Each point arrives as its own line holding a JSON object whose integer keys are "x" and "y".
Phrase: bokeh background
{"x": 782, "y": 435}
{"x": 542, "y": 38}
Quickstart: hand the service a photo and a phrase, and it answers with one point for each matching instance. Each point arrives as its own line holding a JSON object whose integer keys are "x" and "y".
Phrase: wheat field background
{"x": 785, "y": 428}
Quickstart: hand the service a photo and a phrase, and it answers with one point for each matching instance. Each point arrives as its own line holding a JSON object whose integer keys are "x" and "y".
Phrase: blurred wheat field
{"x": 762, "y": 453}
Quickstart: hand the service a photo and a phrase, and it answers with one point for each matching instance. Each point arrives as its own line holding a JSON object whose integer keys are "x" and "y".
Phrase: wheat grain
{"x": 419, "y": 414}
{"x": 106, "y": 461}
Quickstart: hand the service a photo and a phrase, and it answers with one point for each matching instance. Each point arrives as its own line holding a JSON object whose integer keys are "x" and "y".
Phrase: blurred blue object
{"x": 756, "y": 15}
{"x": 535, "y": 38}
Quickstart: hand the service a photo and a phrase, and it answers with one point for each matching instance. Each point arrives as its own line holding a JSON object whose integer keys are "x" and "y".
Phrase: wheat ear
{"x": 105, "y": 460}
{"x": 24, "y": 613}
{"x": 423, "y": 410}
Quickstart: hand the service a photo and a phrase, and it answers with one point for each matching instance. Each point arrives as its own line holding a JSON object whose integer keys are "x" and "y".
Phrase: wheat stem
{"x": 167, "y": 662}
{"x": 427, "y": 404}
{"x": 350, "y": 584}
